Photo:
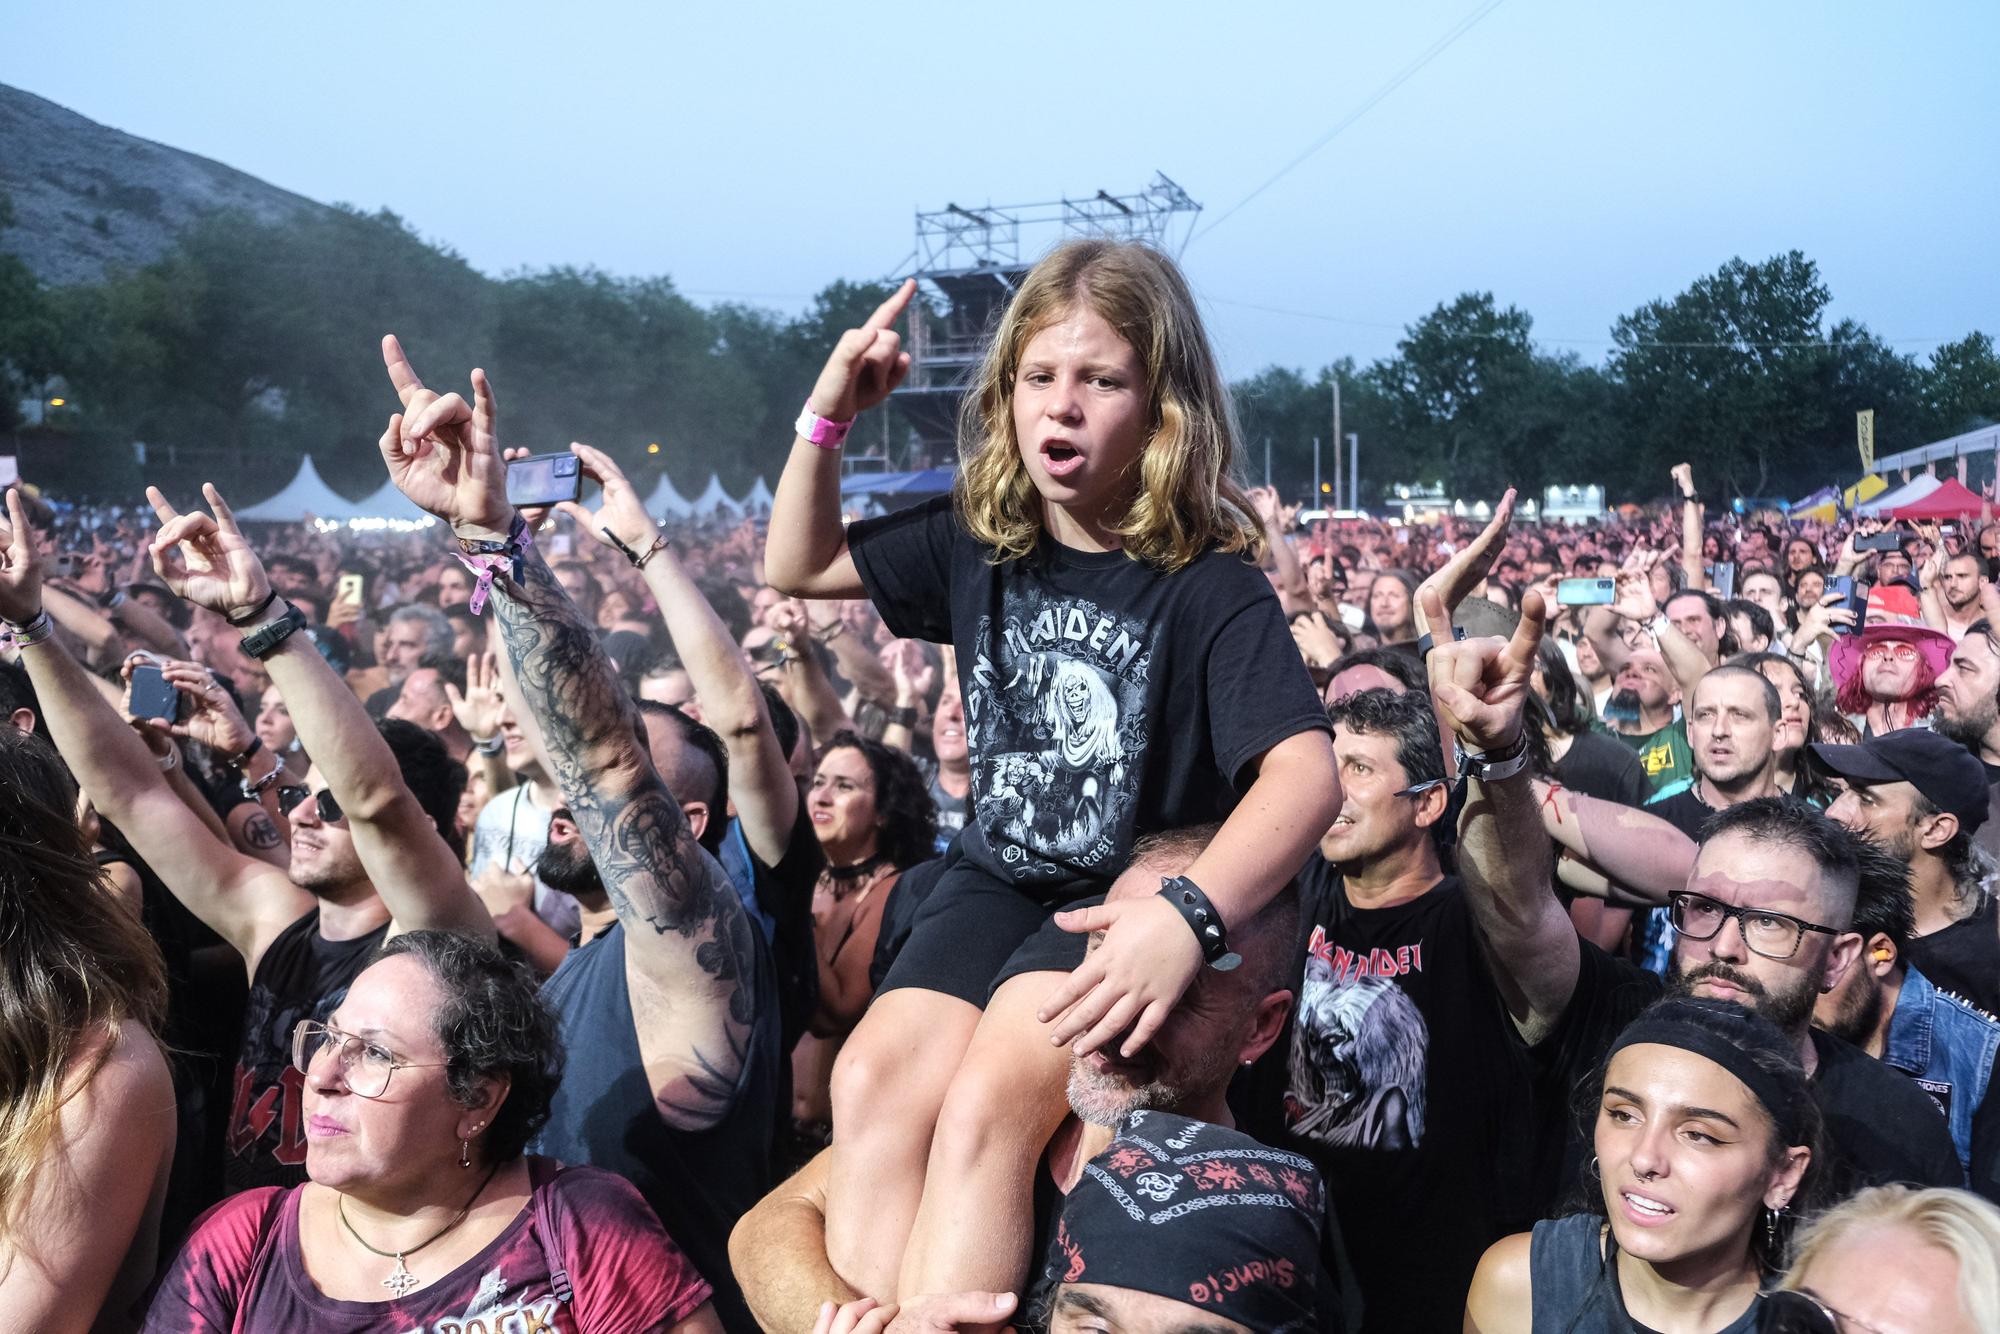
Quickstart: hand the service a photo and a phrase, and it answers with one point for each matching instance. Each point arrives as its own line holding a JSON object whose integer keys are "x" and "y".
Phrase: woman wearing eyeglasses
{"x": 1703, "y": 1131}
{"x": 420, "y": 1091}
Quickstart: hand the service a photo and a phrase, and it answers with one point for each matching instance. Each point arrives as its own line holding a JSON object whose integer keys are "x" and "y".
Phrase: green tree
{"x": 1961, "y": 385}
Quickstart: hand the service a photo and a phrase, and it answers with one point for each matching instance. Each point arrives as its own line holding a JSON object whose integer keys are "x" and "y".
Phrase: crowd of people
{"x": 551, "y": 920}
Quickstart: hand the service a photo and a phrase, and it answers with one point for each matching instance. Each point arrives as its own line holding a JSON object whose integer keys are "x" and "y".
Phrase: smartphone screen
{"x": 349, "y": 589}
{"x": 1586, "y": 592}
{"x": 544, "y": 479}
{"x": 153, "y": 696}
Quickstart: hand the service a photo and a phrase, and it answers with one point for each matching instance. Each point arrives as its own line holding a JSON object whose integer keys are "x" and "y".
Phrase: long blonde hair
{"x": 75, "y": 966}
{"x": 1190, "y": 497}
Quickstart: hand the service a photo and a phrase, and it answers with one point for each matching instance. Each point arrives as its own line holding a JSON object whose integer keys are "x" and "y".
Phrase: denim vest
{"x": 1948, "y": 1047}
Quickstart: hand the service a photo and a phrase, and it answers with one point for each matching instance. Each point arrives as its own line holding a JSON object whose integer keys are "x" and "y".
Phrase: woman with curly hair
{"x": 421, "y": 1091}
{"x": 873, "y": 813}
{"x": 86, "y": 1099}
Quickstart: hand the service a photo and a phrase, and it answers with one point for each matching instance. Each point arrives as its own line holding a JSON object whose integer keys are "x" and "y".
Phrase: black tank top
{"x": 1574, "y": 1282}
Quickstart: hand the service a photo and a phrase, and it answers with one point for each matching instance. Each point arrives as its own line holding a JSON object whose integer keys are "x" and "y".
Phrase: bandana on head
{"x": 1200, "y": 1214}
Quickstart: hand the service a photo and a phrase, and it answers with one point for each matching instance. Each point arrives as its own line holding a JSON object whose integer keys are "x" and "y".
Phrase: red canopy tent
{"x": 1950, "y": 501}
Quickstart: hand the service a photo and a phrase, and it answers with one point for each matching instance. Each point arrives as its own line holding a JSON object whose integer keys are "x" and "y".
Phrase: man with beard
{"x": 1641, "y": 710}
{"x": 605, "y": 1114}
{"x": 1226, "y": 1020}
{"x": 1889, "y": 1009}
{"x": 369, "y": 856}
{"x": 1732, "y": 724}
{"x": 1922, "y": 797}
{"x": 1968, "y": 711}
{"x": 1764, "y": 921}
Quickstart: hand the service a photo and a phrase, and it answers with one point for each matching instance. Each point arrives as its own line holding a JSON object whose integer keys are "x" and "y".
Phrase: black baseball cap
{"x": 1950, "y": 776}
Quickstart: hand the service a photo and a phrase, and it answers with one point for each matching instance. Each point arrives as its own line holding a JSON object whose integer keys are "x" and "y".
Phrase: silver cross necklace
{"x": 401, "y": 1280}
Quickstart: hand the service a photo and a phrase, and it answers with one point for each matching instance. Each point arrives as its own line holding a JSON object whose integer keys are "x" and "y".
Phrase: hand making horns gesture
{"x": 1481, "y": 686}
{"x": 445, "y": 454}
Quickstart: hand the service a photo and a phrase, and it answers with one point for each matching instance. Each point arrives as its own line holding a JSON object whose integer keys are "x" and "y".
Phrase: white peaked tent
{"x": 389, "y": 503}
{"x": 665, "y": 502}
{"x": 304, "y": 495}
{"x": 758, "y": 501}
{"x": 1907, "y": 494}
{"x": 715, "y": 500}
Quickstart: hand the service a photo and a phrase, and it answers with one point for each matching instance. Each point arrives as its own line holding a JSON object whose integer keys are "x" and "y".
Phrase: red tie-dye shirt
{"x": 241, "y": 1270}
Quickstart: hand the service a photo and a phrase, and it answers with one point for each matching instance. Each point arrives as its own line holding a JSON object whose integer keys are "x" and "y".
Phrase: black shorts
{"x": 975, "y": 930}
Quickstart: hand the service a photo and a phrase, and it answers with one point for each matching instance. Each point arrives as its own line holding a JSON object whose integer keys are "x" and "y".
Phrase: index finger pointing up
{"x": 401, "y": 374}
{"x": 887, "y": 313}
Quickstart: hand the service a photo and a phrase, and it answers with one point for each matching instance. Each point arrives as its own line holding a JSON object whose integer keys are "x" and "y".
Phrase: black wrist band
{"x": 1425, "y": 643}
{"x": 905, "y": 716}
{"x": 256, "y": 613}
{"x": 261, "y": 644}
{"x": 1202, "y": 919}
{"x": 249, "y": 753}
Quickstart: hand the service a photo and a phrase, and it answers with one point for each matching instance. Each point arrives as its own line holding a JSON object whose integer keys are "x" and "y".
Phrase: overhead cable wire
{"x": 1396, "y": 81}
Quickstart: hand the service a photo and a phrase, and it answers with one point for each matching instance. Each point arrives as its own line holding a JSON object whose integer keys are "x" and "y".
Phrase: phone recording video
{"x": 544, "y": 479}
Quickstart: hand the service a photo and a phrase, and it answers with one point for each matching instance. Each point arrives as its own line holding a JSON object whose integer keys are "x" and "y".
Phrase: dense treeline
{"x": 251, "y": 344}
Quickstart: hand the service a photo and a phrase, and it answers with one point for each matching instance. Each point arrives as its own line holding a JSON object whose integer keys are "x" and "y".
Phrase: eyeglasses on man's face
{"x": 1774, "y": 935}
{"x": 365, "y": 1066}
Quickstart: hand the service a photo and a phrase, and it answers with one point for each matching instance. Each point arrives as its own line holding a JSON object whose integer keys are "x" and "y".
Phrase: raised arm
{"x": 805, "y": 549}
{"x": 1293, "y": 594}
{"x": 207, "y": 561}
{"x": 1634, "y": 848}
{"x": 690, "y": 947}
{"x": 1691, "y": 562}
{"x": 1481, "y": 686}
{"x": 760, "y": 779}
{"x": 1454, "y": 581}
{"x": 244, "y": 900}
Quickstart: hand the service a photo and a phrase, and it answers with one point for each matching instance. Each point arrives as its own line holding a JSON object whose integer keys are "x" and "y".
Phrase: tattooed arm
{"x": 688, "y": 942}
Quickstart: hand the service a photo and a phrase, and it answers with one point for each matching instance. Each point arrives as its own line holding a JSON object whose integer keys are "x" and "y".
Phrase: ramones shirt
{"x": 1402, "y": 1077}
{"x": 302, "y": 975}
{"x": 1104, "y": 698}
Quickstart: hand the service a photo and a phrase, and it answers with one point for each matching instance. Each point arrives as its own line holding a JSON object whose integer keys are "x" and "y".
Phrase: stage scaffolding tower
{"x": 970, "y": 260}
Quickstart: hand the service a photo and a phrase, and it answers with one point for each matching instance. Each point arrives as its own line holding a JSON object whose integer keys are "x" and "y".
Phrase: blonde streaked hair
{"x": 1190, "y": 496}
{"x": 75, "y": 967}
{"x": 1953, "y": 1220}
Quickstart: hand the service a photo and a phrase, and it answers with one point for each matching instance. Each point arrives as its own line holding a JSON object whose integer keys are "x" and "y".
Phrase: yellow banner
{"x": 1864, "y": 434}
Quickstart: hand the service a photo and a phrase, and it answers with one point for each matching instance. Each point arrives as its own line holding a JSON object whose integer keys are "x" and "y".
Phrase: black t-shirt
{"x": 1964, "y": 958}
{"x": 1104, "y": 699}
{"x": 1402, "y": 1077}
{"x": 1880, "y": 1128}
{"x": 784, "y": 894}
{"x": 699, "y": 1182}
{"x": 1683, "y": 810}
{"x": 1604, "y": 767}
{"x": 302, "y": 975}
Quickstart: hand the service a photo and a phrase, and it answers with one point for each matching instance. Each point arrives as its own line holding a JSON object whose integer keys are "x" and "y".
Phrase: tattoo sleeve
{"x": 686, "y": 928}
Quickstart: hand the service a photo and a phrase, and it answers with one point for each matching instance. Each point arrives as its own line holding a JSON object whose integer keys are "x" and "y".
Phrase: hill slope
{"x": 87, "y": 198}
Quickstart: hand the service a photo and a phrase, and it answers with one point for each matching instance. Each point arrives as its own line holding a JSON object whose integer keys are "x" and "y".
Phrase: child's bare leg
{"x": 888, "y": 1085}
{"x": 976, "y": 1226}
